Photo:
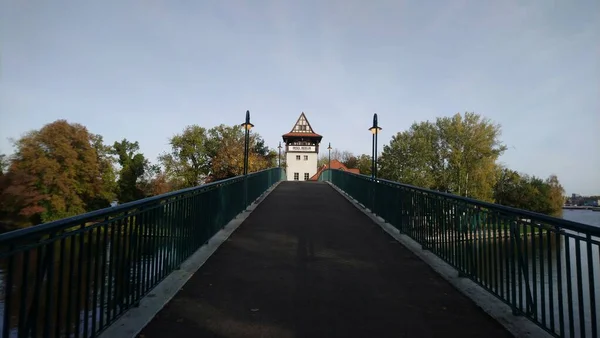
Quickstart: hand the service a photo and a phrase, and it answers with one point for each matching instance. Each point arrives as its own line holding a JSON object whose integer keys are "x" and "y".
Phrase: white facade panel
{"x": 305, "y": 166}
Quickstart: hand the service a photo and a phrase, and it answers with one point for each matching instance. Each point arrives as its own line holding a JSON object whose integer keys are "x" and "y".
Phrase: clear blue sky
{"x": 144, "y": 69}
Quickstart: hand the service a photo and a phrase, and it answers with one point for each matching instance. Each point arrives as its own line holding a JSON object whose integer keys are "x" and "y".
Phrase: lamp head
{"x": 247, "y": 125}
{"x": 375, "y": 128}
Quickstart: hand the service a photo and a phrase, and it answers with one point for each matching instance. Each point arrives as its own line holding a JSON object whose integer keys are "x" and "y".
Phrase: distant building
{"x": 302, "y": 150}
{"x": 335, "y": 164}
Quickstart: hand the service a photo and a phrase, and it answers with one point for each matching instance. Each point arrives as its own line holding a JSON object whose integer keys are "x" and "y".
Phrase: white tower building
{"x": 302, "y": 150}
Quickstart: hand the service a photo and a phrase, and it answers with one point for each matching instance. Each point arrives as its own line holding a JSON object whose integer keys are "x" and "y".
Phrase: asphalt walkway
{"x": 307, "y": 263}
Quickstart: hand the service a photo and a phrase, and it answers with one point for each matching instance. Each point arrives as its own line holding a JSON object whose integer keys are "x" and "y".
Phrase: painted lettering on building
{"x": 302, "y": 148}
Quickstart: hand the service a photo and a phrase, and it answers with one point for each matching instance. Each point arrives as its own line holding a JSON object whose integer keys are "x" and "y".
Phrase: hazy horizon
{"x": 145, "y": 69}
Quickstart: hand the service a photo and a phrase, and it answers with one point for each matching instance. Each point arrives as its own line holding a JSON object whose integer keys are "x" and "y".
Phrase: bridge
{"x": 260, "y": 256}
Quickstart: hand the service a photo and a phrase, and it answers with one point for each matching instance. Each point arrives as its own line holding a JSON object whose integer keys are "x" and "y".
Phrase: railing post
{"x": 513, "y": 274}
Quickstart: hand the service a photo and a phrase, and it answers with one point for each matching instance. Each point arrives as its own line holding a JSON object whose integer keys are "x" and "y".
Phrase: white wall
{"x": 302, "y": 166}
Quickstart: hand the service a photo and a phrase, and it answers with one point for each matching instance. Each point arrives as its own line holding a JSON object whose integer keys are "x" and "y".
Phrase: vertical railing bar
{"x": 591, "y": 285}
{"x": 488, "y": 249}
{"x": 150, "y": 248}
{"x": 88, "y": 280}
{"x": 517, "y": 231}
{"x": 118, "y": 276}
{"x": 104, "y": 267}
{"x": 580, "y": 287}
{"x": 550, "y": 279}
{"x": 534, "y": 252}
{"x": 70, "y": 288}
{"x": 49, "y": 285}
{"x": 95, "y": 292}
{"x": 156, "y": 235}
{"x": 8, "y": 292}
{"x": 111, "y": 267}
{"x": 560, "y": 292}
{"x": 81, "y": 256}
{"x": 164, "y": 240}
{"x": 126, "y": 259}
{"x": 513, "y": 274}
{"x": 32, "y": 318}
{"x": 528, "y": 277}
{"x": 498, "y": 275}
{"x": 542, "y": 278}
{"x": 569, "y": 285}
{"x": 139, "y": 240}
{"x": 22, "y": 319}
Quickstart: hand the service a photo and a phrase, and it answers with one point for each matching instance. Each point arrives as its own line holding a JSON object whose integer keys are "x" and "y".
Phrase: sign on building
{"x": 303, "y": 148}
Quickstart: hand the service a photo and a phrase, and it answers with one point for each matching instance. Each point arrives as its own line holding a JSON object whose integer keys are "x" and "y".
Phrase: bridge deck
{"x": 306, "y": 263}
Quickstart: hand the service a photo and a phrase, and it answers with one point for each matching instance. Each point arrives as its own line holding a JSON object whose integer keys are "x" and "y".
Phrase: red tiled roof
{"x": 301, "y": 135}
{"x": 335, "y": 164}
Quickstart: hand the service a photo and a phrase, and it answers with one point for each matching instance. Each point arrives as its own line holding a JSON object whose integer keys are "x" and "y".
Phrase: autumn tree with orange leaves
{"x": 58, "y": 171}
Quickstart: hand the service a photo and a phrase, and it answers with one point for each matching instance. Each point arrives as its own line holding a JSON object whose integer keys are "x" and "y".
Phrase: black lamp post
{"x": 247, "y": 126}
{"x": 279, "y": 165}
{"x": 375, "y": 131}
{"x": 329, "y": 167}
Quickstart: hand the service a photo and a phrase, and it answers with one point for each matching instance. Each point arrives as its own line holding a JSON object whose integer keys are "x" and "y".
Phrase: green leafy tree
{"x": 455, "y": 154}
{"x": 529, "y": 192}
{"x": 199, "y": 155}
{"x": 133, "y": 165}
{"x": 188, "y": 163}
{"x": 412, "y": 157}
{"x": 351, "y": 162}
{"x": 363, "y": 164}
{"x": 109, "y": 188}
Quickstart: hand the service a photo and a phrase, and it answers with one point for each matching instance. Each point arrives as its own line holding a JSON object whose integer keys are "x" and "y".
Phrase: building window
{"x": 306, "y": 157}
{"x": 306, "y": 176}
{"x": 296, "y": 176}
{"x": 297, "y": 157}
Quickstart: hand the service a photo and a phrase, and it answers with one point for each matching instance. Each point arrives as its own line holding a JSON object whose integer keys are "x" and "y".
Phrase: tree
{"x": 556, "y": 199}
{"x": 133, "y": 166}
{"x": 529, "y": 192}
{"x": 188, "y": 164}
{"x": 199, "y": 156}
{"x": 225, "y": 150}
{"x": 55, "y": 173}
{"x": 155, "y": 182}
{"x": 412, "y": 157}
{"x": 351, "y": 162}
{"x": 456, "y": 154}
{"x": 108, "y": 190}
{"x": 363, "y": 164}
{"x": 3, "y": 164}
{"x": 344, "y": 156}
{"x": 508, "y": 187}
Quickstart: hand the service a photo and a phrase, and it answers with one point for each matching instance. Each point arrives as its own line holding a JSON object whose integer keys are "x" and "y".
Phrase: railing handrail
{"x": 64, "y": 223}
{"x": 560, "y": 222}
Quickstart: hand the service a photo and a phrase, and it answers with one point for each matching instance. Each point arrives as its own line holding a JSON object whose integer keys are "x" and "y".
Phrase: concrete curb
{"x": 135, "y": 319}
{"x": 519, "y": 326}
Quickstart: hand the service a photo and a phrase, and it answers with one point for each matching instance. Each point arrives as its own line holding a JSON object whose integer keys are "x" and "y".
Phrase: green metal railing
{"x": 76, "y": 276}
{"x": 545, "y": 268}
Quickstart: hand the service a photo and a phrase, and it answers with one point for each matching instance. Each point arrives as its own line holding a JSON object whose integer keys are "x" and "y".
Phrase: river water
{"x": 583, "y": 216}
